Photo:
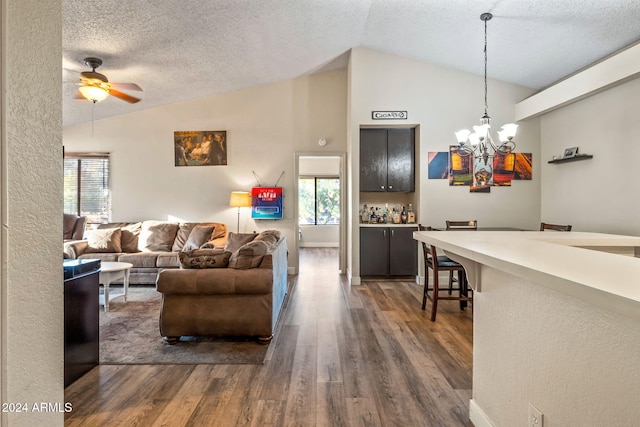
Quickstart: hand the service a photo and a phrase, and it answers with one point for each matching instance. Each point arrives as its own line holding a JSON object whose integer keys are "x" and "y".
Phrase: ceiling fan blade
{"x": 123, "y": 96}
{"x": 126, "y": 86}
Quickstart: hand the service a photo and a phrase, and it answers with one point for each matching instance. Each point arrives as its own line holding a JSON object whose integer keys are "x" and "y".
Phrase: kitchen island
{"x": 556, "y": 324}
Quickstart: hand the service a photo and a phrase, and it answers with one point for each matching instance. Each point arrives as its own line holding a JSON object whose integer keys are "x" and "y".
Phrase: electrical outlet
{"x": 535, "y": 416}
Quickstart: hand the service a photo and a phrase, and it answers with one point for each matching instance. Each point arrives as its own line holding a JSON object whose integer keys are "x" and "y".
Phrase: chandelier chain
{"x": 486, "y": 105}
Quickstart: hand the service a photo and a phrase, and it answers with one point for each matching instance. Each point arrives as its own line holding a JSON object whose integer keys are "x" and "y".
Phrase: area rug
{"x": 129, "y": 334}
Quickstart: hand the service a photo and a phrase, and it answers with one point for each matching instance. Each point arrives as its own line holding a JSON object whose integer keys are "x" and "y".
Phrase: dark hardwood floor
{"x": 342, "y": 356}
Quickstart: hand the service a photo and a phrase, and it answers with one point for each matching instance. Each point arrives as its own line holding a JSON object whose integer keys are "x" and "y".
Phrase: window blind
{"x": 86, "y": 186}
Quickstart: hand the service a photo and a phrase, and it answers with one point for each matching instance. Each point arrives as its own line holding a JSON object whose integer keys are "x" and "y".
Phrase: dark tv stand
{"x": 81, "y": 318}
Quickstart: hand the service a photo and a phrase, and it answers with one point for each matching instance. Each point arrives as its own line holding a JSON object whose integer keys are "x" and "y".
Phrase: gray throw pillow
{"x": 270, "y": 237}
{"x": 200, "y": 234}
{"x": 249, "y": 255}
{"x": 157, "y": 236}
{"x": 236, "y": 240}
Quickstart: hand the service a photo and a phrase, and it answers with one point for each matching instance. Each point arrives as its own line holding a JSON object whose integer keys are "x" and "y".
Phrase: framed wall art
{"x": 266, "y": 203}
{"x": 200, "y": 148}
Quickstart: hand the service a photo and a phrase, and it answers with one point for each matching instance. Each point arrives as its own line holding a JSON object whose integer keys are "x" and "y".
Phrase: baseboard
{"x": 477, "y": 415}
{"x": 319, "y": 245}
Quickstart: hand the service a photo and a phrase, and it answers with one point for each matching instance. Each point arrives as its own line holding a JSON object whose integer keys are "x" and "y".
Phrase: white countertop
{"x": 558, "y": 260}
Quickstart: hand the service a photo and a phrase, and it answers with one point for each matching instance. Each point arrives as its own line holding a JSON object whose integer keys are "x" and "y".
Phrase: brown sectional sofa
{"x": 244, "y": 299}
{"x": 149, "y": 245}
{"x": 213, "y": 283}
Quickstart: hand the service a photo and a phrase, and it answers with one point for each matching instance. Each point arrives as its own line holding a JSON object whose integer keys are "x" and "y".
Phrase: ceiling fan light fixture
{"x": 94, "y": 93}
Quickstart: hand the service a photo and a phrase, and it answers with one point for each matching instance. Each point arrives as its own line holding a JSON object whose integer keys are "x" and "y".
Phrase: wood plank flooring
{"x": 342, "y": 356}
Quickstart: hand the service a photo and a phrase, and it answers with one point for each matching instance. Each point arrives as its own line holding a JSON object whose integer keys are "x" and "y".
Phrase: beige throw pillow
{"x": 157, "y": 236}
{"x": 204, "y": 258}
{"x": 104, "y": 241}
{"x": 200, "y": 234}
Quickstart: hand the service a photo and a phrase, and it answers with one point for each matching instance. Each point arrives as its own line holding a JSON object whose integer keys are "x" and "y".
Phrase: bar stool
{"x": 556, "y": 227}
{"x": 441, "y": 263}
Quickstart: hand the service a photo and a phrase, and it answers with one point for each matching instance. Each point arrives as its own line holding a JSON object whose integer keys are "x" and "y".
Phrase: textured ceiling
{"x": 181, "y": 50}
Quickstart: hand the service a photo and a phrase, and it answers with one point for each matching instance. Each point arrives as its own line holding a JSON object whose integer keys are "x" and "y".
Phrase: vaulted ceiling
{"x": 182, "y": 50}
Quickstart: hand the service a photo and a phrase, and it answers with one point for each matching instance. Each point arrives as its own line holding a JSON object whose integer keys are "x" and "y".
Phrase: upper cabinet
{"x": 387, "y": 160}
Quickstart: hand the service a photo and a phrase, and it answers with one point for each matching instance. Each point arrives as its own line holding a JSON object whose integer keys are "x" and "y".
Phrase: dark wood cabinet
{"x": 403, "y": 250}
{"x": 374, "y": 251}
{"x": 387, "y": 160}
{"x": 388, "y": 251}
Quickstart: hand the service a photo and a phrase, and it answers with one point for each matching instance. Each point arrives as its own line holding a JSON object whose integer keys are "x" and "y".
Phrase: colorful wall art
{"x": 459, "y": 167}
{"x": 499, "y": 171}
{"x": 266, "y": 203}
{"x": 438, "y": 165}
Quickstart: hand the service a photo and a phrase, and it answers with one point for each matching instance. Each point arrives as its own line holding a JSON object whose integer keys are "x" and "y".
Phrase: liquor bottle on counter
{"x": 411, "y": 216}
{"x": 403, "y": 215}
{"x": 364, "y": 215}
{"x": 373, "y": 219}
{"x": 396, "y": 215}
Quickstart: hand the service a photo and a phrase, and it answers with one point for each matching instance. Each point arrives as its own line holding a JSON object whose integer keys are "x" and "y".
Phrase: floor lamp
{"x": 240, "y": 199}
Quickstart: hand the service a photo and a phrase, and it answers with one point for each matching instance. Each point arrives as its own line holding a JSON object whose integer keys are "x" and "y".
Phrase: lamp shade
{"x": 93, "y": 93}
{"x": 240, "y": 199}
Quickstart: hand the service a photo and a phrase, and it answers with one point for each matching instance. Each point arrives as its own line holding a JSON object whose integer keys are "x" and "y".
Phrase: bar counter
{"x": 589, "y": 266}
{"x": 556, "y": 324}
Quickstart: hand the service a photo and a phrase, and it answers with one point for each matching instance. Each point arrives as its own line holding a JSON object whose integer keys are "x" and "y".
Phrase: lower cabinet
{"x": 388, "y": 251}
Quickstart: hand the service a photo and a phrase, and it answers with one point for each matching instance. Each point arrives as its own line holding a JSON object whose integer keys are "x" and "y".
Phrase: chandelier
{"x": 479, "y": 143}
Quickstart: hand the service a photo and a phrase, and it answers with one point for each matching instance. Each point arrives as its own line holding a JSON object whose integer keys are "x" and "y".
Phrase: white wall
{"x": 576, "y": 363}
{"x": 265, "y": 126}
{"x": 440, "y": 101}
{"x": 31, "y": 309}
{"x": 598, "y": 194}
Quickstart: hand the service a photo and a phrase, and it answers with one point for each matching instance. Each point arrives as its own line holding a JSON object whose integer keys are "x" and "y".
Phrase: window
{"x": 86, "y": 186}
{"x": 319, "y": 200}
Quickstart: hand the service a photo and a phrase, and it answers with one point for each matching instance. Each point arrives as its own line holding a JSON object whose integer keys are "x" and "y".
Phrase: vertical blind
{"x": 86, "y": 186}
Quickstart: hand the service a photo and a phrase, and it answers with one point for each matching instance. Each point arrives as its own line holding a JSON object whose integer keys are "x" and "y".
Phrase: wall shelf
{"x": 572, "y": 159}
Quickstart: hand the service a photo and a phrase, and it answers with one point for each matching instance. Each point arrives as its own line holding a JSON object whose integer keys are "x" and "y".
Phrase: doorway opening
{"x": 320, "y": 202}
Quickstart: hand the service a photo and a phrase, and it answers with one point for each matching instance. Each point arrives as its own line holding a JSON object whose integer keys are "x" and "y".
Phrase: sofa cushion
{"x": 200, "y": 234}
{"x": 104, "y": 257}
{"x": 204, "y": 258}
{"x": 219, "y": 232}
{"x": 157, "y": 236}
{"x": 130, "y": 233}
{"x": 168, "y": 260}
{"x": 236, "y": 240}
{"x": 141, "y": 259}
{"x": 249, "y": 255}
{"x": 103, "y": 241}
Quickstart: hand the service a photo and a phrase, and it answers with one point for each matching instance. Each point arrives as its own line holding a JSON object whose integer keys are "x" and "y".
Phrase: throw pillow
{"x": 236, "y": 240}
{"x": 249, "y": 255}
{"x": 104, "y": 241}
{"x": 270, "y": 237}
{"x": 204, "y": 258}
{"x": 220, "y": 230}
{"x": 199, "y": 235}
{"x": 130, "y": 233}
{"x": 157, "y": 236}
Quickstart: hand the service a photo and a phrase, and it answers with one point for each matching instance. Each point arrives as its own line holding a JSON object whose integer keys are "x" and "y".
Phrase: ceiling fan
{"x": 96, "y": 87}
